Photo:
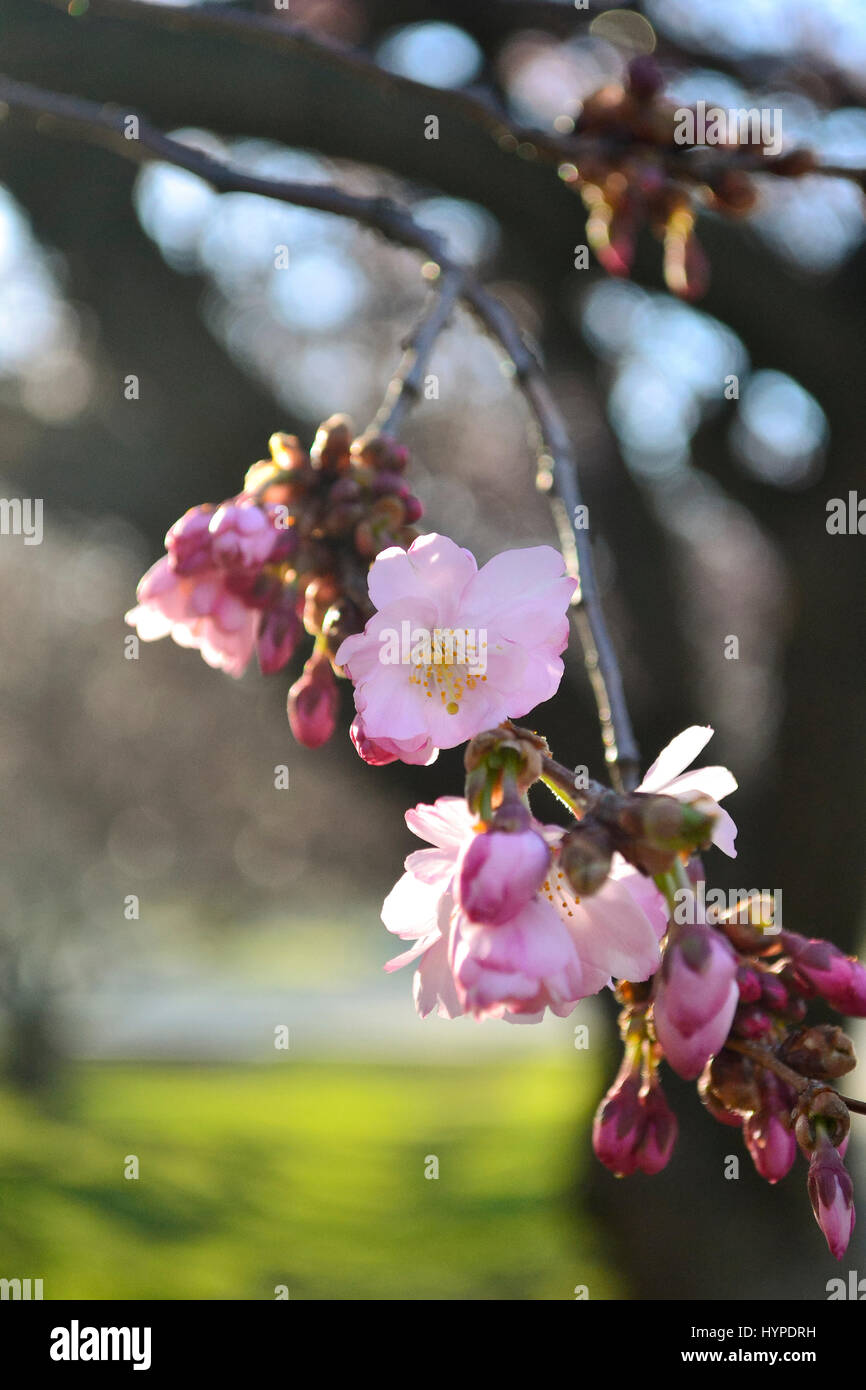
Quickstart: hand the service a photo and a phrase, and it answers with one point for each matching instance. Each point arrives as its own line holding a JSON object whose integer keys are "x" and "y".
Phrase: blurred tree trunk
{"x": 33, "y": 1054}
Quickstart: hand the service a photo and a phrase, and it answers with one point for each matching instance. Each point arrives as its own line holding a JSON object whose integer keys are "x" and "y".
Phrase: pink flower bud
{"x": 749, "y": 984}
{"x": 280, "y": 632}
{"x": 659, "y": 1134}
{"x": 499, "y": 872}
{"x": 689, "y": 1055}
{"x": 831, "y": 1193}
{"x": 634, "y": 1127}
{"x": 838, "y": 978}
{"x": 242, "y": 535}
{"x": 773, "y": 992}
{"x": 696, "y": 998}
{"x": 770, "y": 1142}
{"x": 378, "y": 752}
{"x": 752, "y": 1024}
{"x": 188, "y": 541}
{"x": 697, "y": 972}
{"x": 313, "y": 703}
{"x": 618, "y": 1126}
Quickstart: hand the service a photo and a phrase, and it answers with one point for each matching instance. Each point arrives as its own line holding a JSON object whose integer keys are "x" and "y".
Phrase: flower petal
{"x": 432, "y": 568}
{"x": 675, "y": 758}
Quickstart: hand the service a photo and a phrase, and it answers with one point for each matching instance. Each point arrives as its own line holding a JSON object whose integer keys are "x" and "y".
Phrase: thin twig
{"x": 557, "y": 463}
{"x": 406, "y": 385}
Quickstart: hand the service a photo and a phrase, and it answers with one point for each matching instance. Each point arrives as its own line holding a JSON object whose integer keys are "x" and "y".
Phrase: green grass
{"x": 307, "y": 1175}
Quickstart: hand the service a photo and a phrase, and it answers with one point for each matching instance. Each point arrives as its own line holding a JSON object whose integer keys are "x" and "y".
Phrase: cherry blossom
{"x": 511, "y": 615}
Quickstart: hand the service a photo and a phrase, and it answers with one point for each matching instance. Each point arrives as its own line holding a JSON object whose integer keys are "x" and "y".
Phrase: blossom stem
{"x": 560, "y": 780}
{"x": 767, "y": 1059}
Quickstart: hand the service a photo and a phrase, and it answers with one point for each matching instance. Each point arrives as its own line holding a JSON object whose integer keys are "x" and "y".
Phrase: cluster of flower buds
{"x": 635, "y": 172}
{"x": 290, "y": 553}
{"x": 728, "y": 1006}
{"x": 649, "y": 831}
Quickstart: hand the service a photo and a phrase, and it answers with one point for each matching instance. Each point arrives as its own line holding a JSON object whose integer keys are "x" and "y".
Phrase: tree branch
{"x": 406, "y": 385}
{"x": 557, "y": 464}
{"x": 691, "y": 164}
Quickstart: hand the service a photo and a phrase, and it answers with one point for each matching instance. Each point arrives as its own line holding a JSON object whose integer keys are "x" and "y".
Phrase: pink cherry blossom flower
{"x": 522, "y": 966}
{"x": 511, "y": 615}
{"x": 243, "y": 534}
{"x": 667, "y": 777}
{"x": 552, "y": 953}
{"x": 188, "y": 541}
{"x": 197, "y": 610}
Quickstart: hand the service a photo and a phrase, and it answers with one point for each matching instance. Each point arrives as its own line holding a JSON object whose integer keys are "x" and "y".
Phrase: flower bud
{"x": 618, "y": 1126}
{"x": 771, "y": 1143}
{"x": 831, "y": 1193}
{"x": 696, "y": 996}
{"x": 378, "y": 752}
{"x": 313, "y": 702}
{"x": 749, "y": 984}
{"x": 188, "y": 541}
{"x": 820, "y": 1113}
{"x": 752, "y": 1023}
{"x": 499, "y": 871}
{"x": 731, "y": 1079}
{"x": 330, "y": 450}
{"x": 242, "y": 535}
{"x": 279, "y": 634}
{"x": 287, "y": 452}
{"x": 773, "y": 992}
{"x": 659, "y": 1135}
{"x": 838, "y": 978}
{"x": 746, "y": 925}
{"x": 822, "y": 1051}
{"x": 585, "y": 854}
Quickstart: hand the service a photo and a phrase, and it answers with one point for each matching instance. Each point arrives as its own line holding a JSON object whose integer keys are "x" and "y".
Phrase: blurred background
{"x": 165, "y": 907}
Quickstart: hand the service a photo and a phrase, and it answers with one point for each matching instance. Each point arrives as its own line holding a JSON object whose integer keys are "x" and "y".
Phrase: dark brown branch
{"x": 527, "y": 142}
{"x": 556, "y": 458}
